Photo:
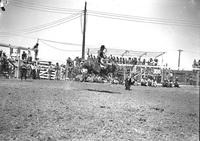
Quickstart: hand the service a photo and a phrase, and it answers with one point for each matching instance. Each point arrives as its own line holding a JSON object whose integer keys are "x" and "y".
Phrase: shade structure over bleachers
{"x": 126, "y": 53}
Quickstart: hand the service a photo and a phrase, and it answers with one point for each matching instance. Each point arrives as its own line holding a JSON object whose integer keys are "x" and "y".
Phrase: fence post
{"x": 18, "y": 63}
{"x": 197, "y": 78}
{"x": 66, "y": 67}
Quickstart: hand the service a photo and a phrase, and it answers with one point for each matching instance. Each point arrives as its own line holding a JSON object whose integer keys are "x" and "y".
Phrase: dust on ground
{"x": 41, "y": 110}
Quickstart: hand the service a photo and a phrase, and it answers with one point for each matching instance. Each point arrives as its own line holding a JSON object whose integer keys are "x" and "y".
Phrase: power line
{"x": 59, "y": 48}
{"x": 51, "y": 25}
{"x": 139, "y": 17}
{"x": 178, "y": 22}
{"x": 146, "y": 21}
{"x": 64, "y": 43}
{"x": 44, "y": 8}
{"x": 7, "y": 34}
{"x": 152, "y": 20}
{"x": 47, "y": 25}
{"x": 113, "y": 14}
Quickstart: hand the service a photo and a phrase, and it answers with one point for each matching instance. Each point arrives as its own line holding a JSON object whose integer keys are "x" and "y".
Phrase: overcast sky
{"x": 22, "y": 15}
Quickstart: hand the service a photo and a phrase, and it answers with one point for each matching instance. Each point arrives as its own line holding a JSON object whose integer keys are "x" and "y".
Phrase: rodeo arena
{"x": 102, "y": 65}
{"x": 100, "y": 92}
{"x": 114, "y": 72}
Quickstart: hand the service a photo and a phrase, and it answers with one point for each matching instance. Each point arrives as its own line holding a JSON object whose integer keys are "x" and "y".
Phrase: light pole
{"x": 179, "y": 58}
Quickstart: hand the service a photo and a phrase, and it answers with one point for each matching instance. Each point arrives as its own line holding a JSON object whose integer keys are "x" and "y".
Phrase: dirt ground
{"x": 42, "y": 110}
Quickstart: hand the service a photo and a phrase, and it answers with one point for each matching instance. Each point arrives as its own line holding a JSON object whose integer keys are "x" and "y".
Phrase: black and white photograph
{"x": 99, "y": 70}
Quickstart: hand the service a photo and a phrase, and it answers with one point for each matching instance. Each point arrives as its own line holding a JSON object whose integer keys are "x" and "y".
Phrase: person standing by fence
{"x": 57, "y": 69}
{"x": 38, "y": 71}
{"x": 33, "y": 70}
{"x": 63, "y": 72}
{"x": 69, "y": 68}
{"x": 23, "y": 70}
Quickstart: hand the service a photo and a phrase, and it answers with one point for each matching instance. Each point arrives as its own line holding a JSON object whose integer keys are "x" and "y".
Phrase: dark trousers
{"x": 23, "y": 73}
{"x": 33, "y": 74}
{"x": 38, "y": 74}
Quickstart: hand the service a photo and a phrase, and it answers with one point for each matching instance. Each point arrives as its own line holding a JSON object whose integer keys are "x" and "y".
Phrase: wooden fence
{"x": 44, "y": 70}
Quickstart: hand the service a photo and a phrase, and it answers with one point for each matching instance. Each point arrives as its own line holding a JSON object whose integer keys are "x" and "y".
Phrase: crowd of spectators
{"x": 72, "y": 68}
{"x": 3, "y": 62}
{"x": 129, "y": 60}
{"x": 6, "y": 69}
{"x": 8, "y": 63}
{"x": 27, "y": 56}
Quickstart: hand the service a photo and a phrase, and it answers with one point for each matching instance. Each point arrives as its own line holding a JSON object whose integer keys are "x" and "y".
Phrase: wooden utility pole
{"x": 179, "y": 58}
{"x": 84, "y": 30}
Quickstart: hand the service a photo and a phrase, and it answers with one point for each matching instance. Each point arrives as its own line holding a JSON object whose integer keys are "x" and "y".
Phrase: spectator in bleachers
{"x": 150, "y": 62}
{"x": 144, "y": 62}
{"x": 69, "y": 62}
{"x": 117, "y": 60}
{"x": 113, "y": 58}
{"x": 110, "y": 57}
{"x": 24, "y": 55}
{"x": 94, "y": 57}
{"x": 129, "y": 60}
{"x": 196, "y": 64}
{"x": 126, "y": 61}
{"x": 139, "y": 61}
{"x": 77, "y": 60}
{"x": 155, "y": 62}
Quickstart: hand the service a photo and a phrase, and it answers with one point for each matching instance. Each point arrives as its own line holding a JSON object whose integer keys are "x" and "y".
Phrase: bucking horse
{"x": 94, "y": 67}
